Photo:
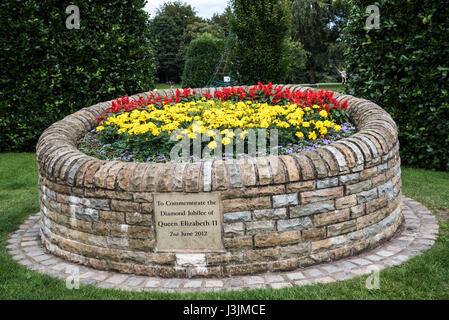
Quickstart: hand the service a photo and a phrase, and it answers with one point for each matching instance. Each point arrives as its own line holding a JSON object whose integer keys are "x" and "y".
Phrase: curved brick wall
{"x": 317, "y": 206}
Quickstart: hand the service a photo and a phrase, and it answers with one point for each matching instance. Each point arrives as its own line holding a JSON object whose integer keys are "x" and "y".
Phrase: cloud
{"x": 204, "y": 8}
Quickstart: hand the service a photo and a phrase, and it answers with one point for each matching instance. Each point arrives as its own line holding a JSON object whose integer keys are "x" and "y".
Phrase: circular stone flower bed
{"x": 270, "y": 213}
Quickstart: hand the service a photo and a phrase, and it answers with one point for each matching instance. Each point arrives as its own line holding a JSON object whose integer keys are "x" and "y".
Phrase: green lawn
{"x": 326, "y": 86}
{"x": 162, "y": 86}
{"x": 423, "y": 277}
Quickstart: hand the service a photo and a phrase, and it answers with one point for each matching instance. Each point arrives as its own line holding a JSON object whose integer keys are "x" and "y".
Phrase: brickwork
{"x": 279, "y": 213}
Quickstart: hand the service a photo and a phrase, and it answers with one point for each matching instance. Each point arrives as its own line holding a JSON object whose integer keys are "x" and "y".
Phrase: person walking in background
{"x": 344, "y": 76}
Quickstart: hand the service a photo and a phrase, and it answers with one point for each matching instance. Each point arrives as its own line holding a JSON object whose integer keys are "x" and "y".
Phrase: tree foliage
{"x": 297, "y": 62}
{"x": 49, "y": 71}
{"x": 202, "y": 58}
{"x": 403, "y": 66}
{"x": 262, "y": 30}
{"x": 168, "y": 27}
{"x": 318, "y": 25}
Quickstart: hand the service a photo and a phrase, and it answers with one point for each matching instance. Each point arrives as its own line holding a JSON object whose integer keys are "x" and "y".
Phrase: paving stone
{"x": 346, "y": 265}
{"x": 340, "y": 276}
{"x": 153, "y": 283}
{"x": 280, "y": 285}
{"x": 331, "y": 268}
{"x": 360, "y": 261}
{"x": 134, "y": 282}
{"x": 33, "y": 249}
{"x": 193, "y": 284}
{"x": 29, "y": 243}
{"x": 50, "y": 262}
{"x": 401, "y": 257}
{"x": 87, "y": 275}
{"x": 274, "y": 278}
{"x": 254, "y": 280}
{"x": 25, "y": 262}
{"x": 106, "y": 285}
{"x": 235, "y": 282}
{"x": 213, "y": 283}
{"x": 296, "y": 276}
{"x": 385, "y": 253}
{"x": 99, "y": 276}
{"x": 42, "y": 257}
{"x": 360, "y": 271}
{"x": 173, "y": 283}
{"x": 18, "y": 257}
{"x": 324, "y": 280}
{"x": 88, "y": 281}
{"x": 302, "y": 283}
{"x": 34, "y": 253}
{"x": 374, "y": 258}
{"x": 313, "y": 273}
{"x": 117, "y": 279}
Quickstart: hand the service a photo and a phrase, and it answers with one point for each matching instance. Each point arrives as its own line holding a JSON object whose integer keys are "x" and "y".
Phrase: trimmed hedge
{"x": 403, "y": 66}
{"x": 202, "y": 57}
{"x": 49, "y": 71}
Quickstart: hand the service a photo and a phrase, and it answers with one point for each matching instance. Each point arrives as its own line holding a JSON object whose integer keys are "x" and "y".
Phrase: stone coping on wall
{"x": 278, "y": 212}
{"x": 59, "y": 159}
{"x": 418, "y": 234}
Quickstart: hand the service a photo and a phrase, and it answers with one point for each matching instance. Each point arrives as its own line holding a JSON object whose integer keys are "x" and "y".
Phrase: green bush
{"x": 49, "y": 71}
{"x": 202, "y": 57}
{"x": 403, "y": 66}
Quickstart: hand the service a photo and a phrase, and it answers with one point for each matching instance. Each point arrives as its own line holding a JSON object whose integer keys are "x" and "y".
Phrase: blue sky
{"x": 204, "y": 8}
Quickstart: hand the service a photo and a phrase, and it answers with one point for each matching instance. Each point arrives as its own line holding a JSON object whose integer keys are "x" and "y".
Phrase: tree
{"x": 196, "y": 30}
{"x": 164, "y": 39}
{"x": 220, "y": 23}
{"x": 404, "y": 67}
{"x": 318, "y": 25}
{"x": 202, "y": 57}
{"x": 262, "y": 31}
{"x": 49, "y": 71}
{"x": 297, "y": 62}
{"x": 169, "y": 25}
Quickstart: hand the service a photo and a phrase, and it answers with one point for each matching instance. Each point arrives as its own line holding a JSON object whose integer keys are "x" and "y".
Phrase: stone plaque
{"x": 188, "y": 222}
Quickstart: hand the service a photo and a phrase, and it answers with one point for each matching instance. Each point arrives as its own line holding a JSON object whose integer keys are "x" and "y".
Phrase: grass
{"x": 423, "y": 277}
{"x": 162, "y": 86}
{"x": 326, "y": 86}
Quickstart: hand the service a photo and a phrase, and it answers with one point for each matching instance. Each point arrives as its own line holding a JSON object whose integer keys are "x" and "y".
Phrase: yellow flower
{"x": 323, "y": 130}
{"x": 299, "y": 134}
{"x": 100, "y": 128}
{"x": 323, "y": 113}
{"x": 212, "y": 145}
{"x": 312, "y": 135}
{"x": 306, "y": 124}
{"x": 337, "y": 127}
{"x": 226, "y": 141}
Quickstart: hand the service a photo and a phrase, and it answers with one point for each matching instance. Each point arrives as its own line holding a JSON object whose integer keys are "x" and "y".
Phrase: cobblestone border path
{"x": 417, "y": 235}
